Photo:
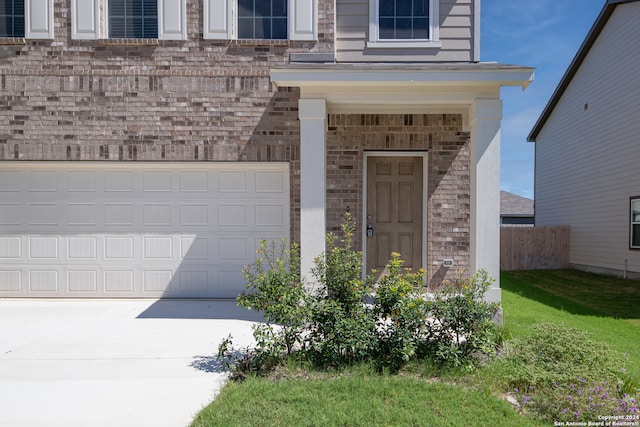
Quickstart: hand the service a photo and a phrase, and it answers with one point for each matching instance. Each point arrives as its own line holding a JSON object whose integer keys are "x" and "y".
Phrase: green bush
{"x": 462, "y": 321}
{"x": 402, "y": 312}
{"x": 332, "y": 326}
{"x": 561, "y": 374}
{"x": 560, "y": 355}
{"x": 339, "y": 270}
{"x": 342, "y": 328}
{"x": 275, "y": 289}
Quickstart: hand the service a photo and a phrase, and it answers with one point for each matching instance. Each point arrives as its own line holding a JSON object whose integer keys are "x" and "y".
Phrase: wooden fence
{"x": 534, "y": 248}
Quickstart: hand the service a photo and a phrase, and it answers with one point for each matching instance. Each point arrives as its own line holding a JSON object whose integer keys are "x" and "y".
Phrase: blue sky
{"x": 544, "y": 34}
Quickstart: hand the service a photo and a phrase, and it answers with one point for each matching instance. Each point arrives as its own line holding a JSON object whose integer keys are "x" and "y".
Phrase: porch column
{"x": 313, "y": 129}
{"x": 484, "y": 120}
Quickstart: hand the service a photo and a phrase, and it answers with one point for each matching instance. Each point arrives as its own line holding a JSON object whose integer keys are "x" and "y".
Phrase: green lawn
{"x": 357, "y": 401}
{"x": 606, "y": 307}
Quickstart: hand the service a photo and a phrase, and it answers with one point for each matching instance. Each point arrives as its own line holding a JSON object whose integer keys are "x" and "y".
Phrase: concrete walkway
{"x": 112, "y": 362}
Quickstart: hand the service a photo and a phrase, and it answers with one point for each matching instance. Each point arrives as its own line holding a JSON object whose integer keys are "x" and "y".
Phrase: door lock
{"x": 369, "y": 230}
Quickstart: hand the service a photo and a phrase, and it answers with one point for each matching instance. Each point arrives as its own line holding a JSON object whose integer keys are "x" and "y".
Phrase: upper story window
{"x": 31, "y": 19}
{"x": 135, "y": 19}
{"x": 403, "y": 19}
{"x": 128, "y": 19}
{"x": 634, "y": 229}
{"x": 262, "y": 19}
{"x": 403, "y": 24}
{"x": 12, "y": 18}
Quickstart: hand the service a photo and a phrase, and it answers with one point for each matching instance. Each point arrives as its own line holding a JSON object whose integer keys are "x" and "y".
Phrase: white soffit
{"x": 368, "y": 87}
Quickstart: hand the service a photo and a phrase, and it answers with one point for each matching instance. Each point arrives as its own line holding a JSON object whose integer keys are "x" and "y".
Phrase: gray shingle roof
{"x": 514, "y": 205}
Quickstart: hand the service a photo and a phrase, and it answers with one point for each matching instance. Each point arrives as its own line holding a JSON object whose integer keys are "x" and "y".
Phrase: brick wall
{"x": 204, "y": 100}
{"x": 448, "y": 176}
{"x": 152, "y": 100}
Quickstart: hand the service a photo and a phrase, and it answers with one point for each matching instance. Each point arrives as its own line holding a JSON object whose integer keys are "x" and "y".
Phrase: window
{"x": 137, "y": 19}
{"x": 262, "y": 19}
{"x": 128, "y": 19}
{"x": 403, "y": 19}
{"x": 403, "y": 23}
{"x": 32, "y": 19}
{"x": 12, "y": 18}
{"x": 634, "y": 238}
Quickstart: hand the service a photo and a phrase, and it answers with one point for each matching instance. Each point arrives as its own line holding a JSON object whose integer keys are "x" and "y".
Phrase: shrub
{"x": 561, "y": 374}
{"x": 402, "y": 312}
{"x": 556, "y": 354}
{"x": 578, "y": 401}
{"x": 462, "y": 325}
{"x": 339, "y": 270}
{"x": 342, "y": 328}
{"x": 333, "y": 327}
{"x": 274, "y": 288}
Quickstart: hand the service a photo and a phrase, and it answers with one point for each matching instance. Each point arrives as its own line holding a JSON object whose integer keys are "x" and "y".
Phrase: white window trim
{"x": 434, "y": 30}
{"x": 97, "y": 28}
{"x": 302, "y": 17}
{"x": 632, "y": 222}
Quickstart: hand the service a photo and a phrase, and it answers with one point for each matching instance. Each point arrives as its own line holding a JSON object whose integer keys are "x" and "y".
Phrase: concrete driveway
{"x": 112, "y": 362}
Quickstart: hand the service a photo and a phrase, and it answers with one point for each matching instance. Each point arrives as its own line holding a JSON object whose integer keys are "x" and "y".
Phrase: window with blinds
{"x": 133, "y": 19}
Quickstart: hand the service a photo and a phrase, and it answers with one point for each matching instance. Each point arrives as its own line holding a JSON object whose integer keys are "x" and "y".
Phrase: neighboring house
{"x": 515, "y": 211}
{"x": 147, "y": 146}
{"x": 587, "y": 147}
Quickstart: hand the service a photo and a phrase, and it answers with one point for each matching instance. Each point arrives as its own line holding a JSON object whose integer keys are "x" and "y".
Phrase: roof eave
{"x": 573, "y": 68}
{"x": 342, "y": 76}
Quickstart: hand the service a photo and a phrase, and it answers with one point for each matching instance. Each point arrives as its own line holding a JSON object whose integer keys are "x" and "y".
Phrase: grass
{"x": 357, "y": 401}
{"x": 571, "y": 297}
{"x": 606, "y": 307}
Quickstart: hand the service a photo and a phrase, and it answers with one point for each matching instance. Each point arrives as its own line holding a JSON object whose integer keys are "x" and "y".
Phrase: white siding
{"x": 588, "y": 153}
{"x": 456, "y": 31}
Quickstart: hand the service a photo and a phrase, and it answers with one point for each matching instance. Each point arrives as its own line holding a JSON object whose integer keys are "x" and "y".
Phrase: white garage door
{"x": 136, "y": 230}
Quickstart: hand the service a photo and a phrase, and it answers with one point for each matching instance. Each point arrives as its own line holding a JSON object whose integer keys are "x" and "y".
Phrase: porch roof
{"x": 410, "y": 87}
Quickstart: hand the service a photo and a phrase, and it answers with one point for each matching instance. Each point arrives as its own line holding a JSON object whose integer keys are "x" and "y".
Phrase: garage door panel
{"x": 118, "y": 214}
{"x": 196, "y": 181}
{"x": 10, "y": 282}
{"x": 10, "y": 214}
{"x": 157, "y": 282}
{"x": 118, "y": 181}
{"x": 10, "y": 180}
{"x": 119, "y": 282}
{"x": 43, "y": 181}
{"x": 10, "y": 248}
{"x": 44, "y": 281}
{"x": 85, "y": 281}
{"x": 134, "y": 230}
{"x": 194, "y": 248}
{"x": 82, "y": 214}
{"x": 81, "y": 181}
{"x": 231, "y": 279}
{"x": 43, "y": 214}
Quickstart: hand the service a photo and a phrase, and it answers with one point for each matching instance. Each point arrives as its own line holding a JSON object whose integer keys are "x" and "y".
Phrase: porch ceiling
{"x": 401, "y": 88}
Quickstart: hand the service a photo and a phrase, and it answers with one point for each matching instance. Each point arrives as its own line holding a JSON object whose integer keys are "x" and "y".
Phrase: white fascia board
{"x": 398, "y": 77}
